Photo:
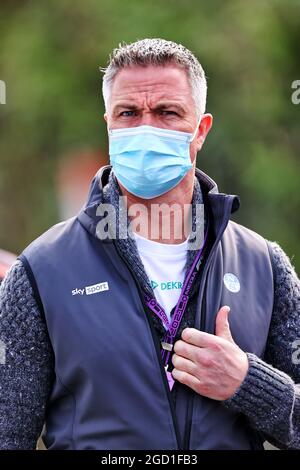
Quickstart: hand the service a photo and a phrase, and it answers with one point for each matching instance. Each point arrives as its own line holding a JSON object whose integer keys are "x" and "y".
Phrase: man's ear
{"x": 105, "y": 117}
{"x": 204, "y": 128}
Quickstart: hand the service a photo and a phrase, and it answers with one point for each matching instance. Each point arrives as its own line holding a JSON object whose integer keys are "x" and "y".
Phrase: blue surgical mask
{"x": 149, "y": 161}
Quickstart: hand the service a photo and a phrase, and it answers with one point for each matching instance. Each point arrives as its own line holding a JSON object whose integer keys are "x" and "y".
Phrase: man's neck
{"x": 165, "y": 219}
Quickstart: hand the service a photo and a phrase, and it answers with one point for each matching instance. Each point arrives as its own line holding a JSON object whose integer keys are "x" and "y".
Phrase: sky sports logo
{"x": 94, "y": 289}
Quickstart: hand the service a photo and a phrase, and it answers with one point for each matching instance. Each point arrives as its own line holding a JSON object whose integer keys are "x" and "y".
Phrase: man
{"x": 118, "y": 337}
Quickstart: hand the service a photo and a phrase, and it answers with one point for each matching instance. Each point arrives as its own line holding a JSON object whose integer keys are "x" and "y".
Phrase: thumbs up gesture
{"x": 212, "y": 365}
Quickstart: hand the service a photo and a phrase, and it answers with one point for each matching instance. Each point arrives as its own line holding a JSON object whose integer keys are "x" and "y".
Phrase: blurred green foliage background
{"x": 50, "y": 52}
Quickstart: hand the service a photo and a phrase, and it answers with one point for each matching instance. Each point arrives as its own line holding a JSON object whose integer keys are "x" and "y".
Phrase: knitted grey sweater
{"x": 268, "y": 397}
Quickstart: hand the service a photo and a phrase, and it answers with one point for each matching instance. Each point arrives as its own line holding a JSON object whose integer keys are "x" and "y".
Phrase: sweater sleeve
{"x": 26, "y": 363}
{"x": 270, "y": 393}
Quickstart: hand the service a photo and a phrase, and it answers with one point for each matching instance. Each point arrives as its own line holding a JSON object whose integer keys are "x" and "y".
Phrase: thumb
{"x": 222, "y": 324}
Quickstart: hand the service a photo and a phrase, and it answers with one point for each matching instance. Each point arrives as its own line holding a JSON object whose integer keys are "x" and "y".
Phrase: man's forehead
{"x": 163, "y": 81}
{"x": 164, "y": 98}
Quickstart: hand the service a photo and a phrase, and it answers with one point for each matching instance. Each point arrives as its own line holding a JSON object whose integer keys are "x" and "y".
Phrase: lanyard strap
{"x": 181, "y": 305}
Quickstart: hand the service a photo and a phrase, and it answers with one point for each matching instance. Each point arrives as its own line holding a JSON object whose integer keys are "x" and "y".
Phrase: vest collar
{"x": 220, "y": 205}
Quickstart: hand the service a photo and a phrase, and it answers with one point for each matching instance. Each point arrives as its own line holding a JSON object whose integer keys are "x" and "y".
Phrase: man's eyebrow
{"x": 130, "y": 106}
{"x": 170, "y": 104}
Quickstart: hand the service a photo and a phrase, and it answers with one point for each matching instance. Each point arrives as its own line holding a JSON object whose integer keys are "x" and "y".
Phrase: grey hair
{"x": 157, "y": 52}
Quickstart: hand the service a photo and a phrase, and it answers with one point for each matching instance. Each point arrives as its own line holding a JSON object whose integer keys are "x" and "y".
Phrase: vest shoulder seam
{"x": 273, "y": 270}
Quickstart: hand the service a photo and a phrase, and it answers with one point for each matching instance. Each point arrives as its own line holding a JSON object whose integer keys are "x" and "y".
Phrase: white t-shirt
{"x": 165, "y": 266}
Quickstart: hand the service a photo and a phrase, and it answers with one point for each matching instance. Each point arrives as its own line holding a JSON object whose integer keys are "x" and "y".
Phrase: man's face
{"x": 159, "y": 97}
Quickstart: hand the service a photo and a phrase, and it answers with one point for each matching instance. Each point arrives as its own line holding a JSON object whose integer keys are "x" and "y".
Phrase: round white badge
{"x": 232, "y": 282}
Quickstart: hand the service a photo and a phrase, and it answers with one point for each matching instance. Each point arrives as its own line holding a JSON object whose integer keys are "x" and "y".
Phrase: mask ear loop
{"x": 196, "y": 130}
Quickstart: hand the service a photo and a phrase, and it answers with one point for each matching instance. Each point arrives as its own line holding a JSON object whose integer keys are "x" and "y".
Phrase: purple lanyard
{"x": 172, "y": 327}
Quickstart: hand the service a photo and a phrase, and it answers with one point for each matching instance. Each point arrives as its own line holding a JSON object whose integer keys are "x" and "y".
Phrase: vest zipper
{"x": 202, "y": 287}
{"x": 157, "y": 349}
